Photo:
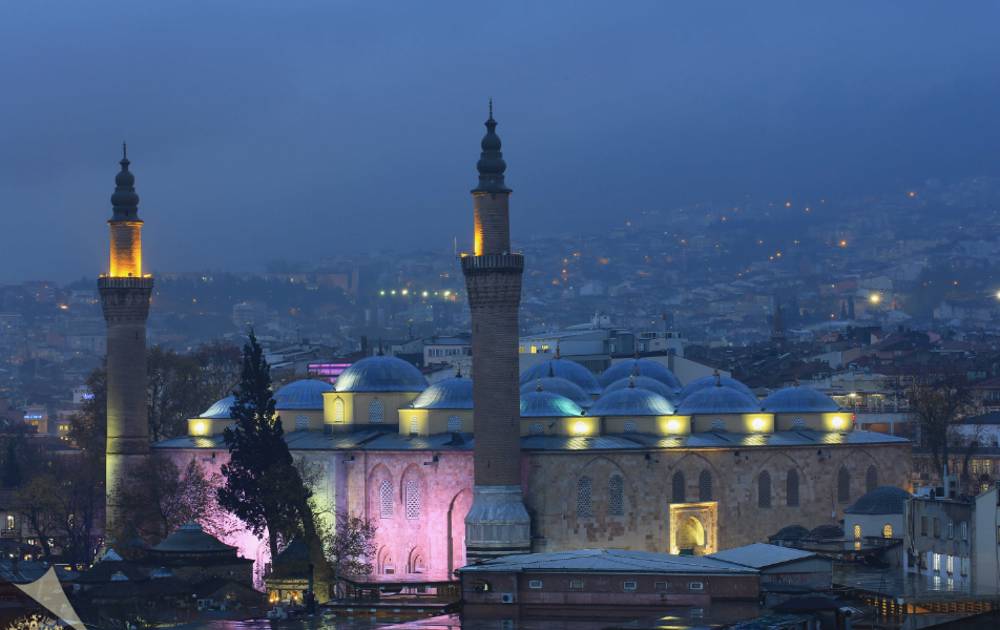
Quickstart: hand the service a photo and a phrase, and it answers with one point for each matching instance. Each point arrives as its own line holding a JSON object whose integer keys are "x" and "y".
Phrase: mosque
{"x": 556, "y": 458}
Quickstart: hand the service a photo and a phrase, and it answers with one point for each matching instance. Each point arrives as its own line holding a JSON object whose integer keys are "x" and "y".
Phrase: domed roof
{"x": 449, "y": 393}
{"x": 632, "y": 401}
{"x": 381, "y": 374}
{"x": 718, "y": 399}
{"x": 304, "y": 394}
{"x": 190, "y": 538}
{"x": 827, "y": 532}
{"x": 707, "y": 381}
{"x": 563, "y": 368}
{"x": 220, "y": 409}
{"x": 791, "y": 533}
{"x": 640, "y": 367}
{"x": 881, "y": 500}
{"x": 561, "y": 386}
{"x": 643, "y": 382}
{"x": 548, "y": 405}
{"x": 798, "y": 399}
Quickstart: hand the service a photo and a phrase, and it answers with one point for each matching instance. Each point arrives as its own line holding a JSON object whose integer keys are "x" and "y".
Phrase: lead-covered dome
{"x": 563, "y": 368}
{"x": 191, "y": 538}
{"x": 798, "y": 399}
{"x": 548, "y": 405}
{"x": 449, "y": 393}
{"x": 304, "y": 394}
{"x": 640, "y": 367}
{"x": 718, "y": 399}
{"x": 708, "y": 381}
{"x": 220, "y": 409}
{"x": 381, "y": 374}
{"x": 643, "y": 382}
{"x": 881, "y": 500}
{"x": 632, "y": 401}
{"x": 561, "y": 386}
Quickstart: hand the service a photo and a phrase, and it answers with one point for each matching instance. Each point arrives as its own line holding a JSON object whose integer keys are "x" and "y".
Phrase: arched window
{"x": 887, "y": 531}
{"x": 385, "y": 499}
{"x": 764, "y": 490}
{"x": 843, "y": 486}
{"x": 414, "y": 426}
{"x": 680, "y": 494}
{"x": 871, "y": 478}
{"x": 584, "y": 497}
{"x": 454, "y": 424}
{"x": 792, "y": 488}
{"x": 411, "y": 497}
{"x": 857, "y": 532}
{"x": 376, "y": 411}
{"x": 629, "y": 426}
{"x": 705, "y": 486}
{"x": 616, "y": 495}
{"x": 338, "y": 411}
{"x": 416, "y": 562}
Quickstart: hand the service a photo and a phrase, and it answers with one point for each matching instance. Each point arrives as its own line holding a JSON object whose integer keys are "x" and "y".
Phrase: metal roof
{"x": 449, "y": 393}
{"x": 708, "y": 381}
{"x": 644, "y": 382}
{"x": 220, "y": 409}
{"x": 720, "y": 399}
{"x": 881, "y": 500}
{"x": 631, "y": 402}
{"x": 798, "y": 399}
{"x": 608, "y": 561}
{"x": 563, "y": 368}
{"x": 381, "y": 374}
{"x": 561, "y": 386}
{"x": 640, "y": 367}
{"x": 303, "y": 394}
{"x": 542, "y": 404}
{"x": 761, "y": 555}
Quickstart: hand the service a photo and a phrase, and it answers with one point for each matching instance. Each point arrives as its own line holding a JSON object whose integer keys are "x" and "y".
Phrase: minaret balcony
{"x": 486, "y": 263}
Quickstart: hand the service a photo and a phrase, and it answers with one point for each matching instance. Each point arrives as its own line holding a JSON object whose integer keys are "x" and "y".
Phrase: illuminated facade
{"x": 125, "y": 295}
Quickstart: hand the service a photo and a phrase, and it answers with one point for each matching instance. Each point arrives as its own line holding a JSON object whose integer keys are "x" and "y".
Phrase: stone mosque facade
{"x": 627, "y": 459}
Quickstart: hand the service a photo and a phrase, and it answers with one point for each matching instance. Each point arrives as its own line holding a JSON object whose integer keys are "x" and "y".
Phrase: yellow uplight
{"x": 581, "y": 427}
{"x": 757, "y": 424}
{"x": 838, "y": 422}
{"x": 200, "y": 428}
{"x": 673, "y": 426}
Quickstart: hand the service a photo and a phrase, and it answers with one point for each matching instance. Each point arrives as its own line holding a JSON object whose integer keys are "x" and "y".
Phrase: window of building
{"x": 937, "y": 562}
{"x": 376, "y": 412}
{"x": 705, "y": 486}
{"x": 454, "y": 424}
{"x": 536, "y": 428}
{"x": 718, "y": 424}
{"x": 843, "y": 486}
{"x": 950, "y": 564}
{"x": 412, "y": 498}
{"x": 798, "y": 423}
{"x": 887, "y": 531}
{"x": 696, "y": 586}
{"x": 629, "y": 426}
{"x": 923, "y": 525}
{"x": 951, "y": 530}
{"x": 584, "y": 498}
{"x": 301, "y": 423}
{"x": 535, "y": 584}
{"x": 937, "y": 527}
{"x": 679, "y": 488}
{"x": 764, "y": 489}
{"x": 857, "y": 532}
{"x": 963, "y": 564}
{"x": 338, "y": 411}
{"x": 871, "y": 478}
{"x": 385, "y": 499}
{"x": 792, "y": 488}
{"x": 576, "y": 585}
{"x": 616, "y": 498}
{"x": 10, "y": 521}
{"x": 414, "y": 426}
{"x": 964, "y": 530}
{"x": 660, "y": 587}
{"x": 630, "y": 585}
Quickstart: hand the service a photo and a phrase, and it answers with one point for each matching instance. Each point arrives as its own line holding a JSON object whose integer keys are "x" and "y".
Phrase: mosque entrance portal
{"x": 694, "y": 528}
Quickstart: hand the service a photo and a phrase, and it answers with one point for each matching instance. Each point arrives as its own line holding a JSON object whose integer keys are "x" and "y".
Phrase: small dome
{"x": 799, "y": 400}
{"x": 632, "y": 401}
{"x": 718, "y": 399}
{"x": 561, "y": 386}
{"x": 881, "y": 500}
{"x": 707, "y": 381}
{"x": 304, "y": 394}
{"x": 449, "y": 393}
{"x": 381, "y": 374}
{"x": 190, "y": 538}
{"x": 220, "y": 409}
{"x": 548, "y": 405}
{"x": 790, "y": 533}
{"x": 827, "y": 532}
{"x": 640, "y": 367}
{"x": 643, "y": 382}
{"x": 563, "y": 368}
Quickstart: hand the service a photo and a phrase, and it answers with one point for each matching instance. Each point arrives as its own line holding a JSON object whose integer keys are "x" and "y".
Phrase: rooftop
{"x": 761, "y": 555}
{"x": 608, "y": 561}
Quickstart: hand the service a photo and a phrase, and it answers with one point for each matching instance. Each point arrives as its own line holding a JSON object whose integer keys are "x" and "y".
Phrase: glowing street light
{"x": 875, "y": 299}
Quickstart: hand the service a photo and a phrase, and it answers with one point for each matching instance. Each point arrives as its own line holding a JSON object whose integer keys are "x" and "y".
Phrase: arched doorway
{"x": 457, "y": 510}
{"x": 691, "y": 537}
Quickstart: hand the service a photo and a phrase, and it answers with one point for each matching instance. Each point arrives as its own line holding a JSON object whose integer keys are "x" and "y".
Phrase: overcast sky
{"x": 301, "y": 129}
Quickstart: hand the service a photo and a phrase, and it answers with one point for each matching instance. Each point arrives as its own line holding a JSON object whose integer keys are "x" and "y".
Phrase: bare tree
{"x": 938, "y": 404}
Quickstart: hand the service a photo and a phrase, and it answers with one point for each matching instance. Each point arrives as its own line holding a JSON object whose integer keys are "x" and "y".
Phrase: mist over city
{"x": 520, "y": 315}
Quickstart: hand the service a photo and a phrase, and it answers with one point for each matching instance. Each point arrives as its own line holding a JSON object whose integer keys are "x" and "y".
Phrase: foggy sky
{"x": 303, "y": 129}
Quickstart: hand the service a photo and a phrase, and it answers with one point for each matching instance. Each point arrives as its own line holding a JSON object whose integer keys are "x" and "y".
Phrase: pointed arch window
{"x": 616, "y": 495}
{"x": 792, "y": 488}
{"x": 338, "y": 411}
{"x": 871, "y": 478}
{"x": 385, "y": 499}
{"x": 584, "y": 497}
{"x": 843, "y": 486}
{"x": 411, "y": 497}
{"x": 705, "y": 486}
{"x": 764, "y": 490}
{"x": 679, "y": 488}
{"x": 376, "y": 412}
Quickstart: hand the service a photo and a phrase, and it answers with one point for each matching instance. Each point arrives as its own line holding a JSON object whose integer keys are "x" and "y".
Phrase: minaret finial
{"x": 491, "y": 165}
{"x": 124, "y": 151}
{"x": 491, "y": 108}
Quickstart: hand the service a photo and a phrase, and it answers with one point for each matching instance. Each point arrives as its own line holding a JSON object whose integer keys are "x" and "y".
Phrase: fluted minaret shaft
{"x": 125, "y": 295}
{"x": 497, "y": 523}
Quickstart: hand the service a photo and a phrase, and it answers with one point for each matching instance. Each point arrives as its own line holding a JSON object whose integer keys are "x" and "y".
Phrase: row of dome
{"x": 558, "y": 388}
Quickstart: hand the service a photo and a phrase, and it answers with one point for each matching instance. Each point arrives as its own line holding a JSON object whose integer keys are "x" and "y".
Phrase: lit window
{"x": 616, "y": 499}
{"x": 950, "y": 565}
{"x": 338, "y": 411}
{"x": 412, "y": 499}
{"x": 630, "y": 586}
{"x": 454, "y": 424}
{"x": 10, "y": 521}
{"x": 937, "y": 562}
{"x": 857, "y": 532}
{"x": 696, "y": 586}
{"x": 414, "y": 425}
{"x": 887, "y": 531}
{"x": 536, "y": 584}
{"x": 584, "y": 498}
{"x": 385, "y": 499}
{"x": 376, "y": 412}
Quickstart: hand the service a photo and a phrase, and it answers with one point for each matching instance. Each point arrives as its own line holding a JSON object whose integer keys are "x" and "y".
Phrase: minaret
{"x": 497, "y": 523}
{"x": 125, "y": 294}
